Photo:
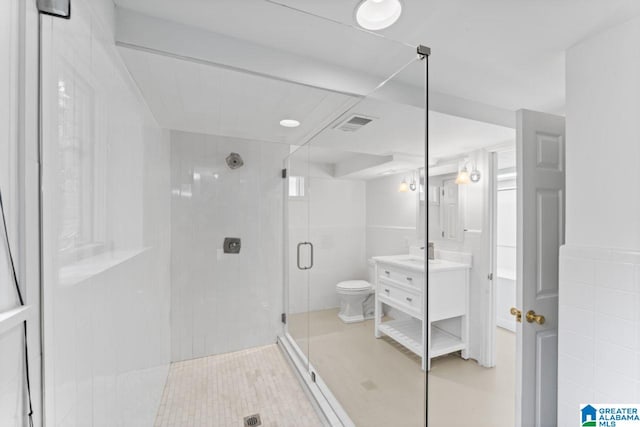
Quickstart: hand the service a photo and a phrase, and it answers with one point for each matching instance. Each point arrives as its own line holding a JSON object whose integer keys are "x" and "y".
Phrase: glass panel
{"x": 473, "y": 346}
{"x": 12, "y": 396}
{"x": 297, "y": 254}
{"x": 363, "y": 191}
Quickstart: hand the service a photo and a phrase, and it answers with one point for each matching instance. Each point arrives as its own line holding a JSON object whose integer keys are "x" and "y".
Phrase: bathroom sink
{"x": 411, "y": 260}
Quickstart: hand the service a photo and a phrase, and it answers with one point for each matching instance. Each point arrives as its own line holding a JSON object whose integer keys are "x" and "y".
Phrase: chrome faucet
{"x": 431, "y": 251}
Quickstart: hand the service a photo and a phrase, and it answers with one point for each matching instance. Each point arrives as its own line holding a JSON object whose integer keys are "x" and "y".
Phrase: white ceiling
{"x": 200, "y": 98}
{"x": 505, "y": 53}
{"x": 195, "y": 97}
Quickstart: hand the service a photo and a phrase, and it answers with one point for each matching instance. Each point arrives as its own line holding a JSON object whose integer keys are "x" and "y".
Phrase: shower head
{"x": 234, "y": 161}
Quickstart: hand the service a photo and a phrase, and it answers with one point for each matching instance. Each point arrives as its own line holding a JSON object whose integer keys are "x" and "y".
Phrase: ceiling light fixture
{"x": 377, "y": 15}
{"x": 289, "y": 123}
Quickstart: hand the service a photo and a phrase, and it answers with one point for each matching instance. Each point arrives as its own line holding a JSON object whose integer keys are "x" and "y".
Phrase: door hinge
{"x": 490, "y": 276}
{"x": 283, "y": 318}
{"x": 284, "y": 173}
{"x": 423, "y": 51}
{"x": 58, "y": 8}
{"x": 313, "y": 376}
{"x": 443, "y": 234}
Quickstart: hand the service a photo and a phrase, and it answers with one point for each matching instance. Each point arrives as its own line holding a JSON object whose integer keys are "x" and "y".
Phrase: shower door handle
{"x": 298, "y": 256}
{"x": 301, "y": 244}
{"x": 311, "y": 246}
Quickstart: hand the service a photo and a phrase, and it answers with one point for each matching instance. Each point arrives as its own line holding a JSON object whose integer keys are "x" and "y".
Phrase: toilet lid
{"x": 354, "y": 285}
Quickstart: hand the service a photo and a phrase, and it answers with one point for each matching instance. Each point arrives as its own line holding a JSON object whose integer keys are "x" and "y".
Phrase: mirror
{"x": 443, "y": 199}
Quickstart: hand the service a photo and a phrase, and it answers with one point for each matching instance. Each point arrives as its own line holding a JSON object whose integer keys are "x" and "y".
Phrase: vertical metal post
{"x": 424, "y": 52}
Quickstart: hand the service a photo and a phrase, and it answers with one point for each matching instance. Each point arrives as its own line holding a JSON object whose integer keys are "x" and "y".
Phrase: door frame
{"x": 491, "y": 212}
{"x": 490, "y": 300}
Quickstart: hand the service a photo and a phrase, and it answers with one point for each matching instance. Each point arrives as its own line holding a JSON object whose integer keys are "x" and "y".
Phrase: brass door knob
{"x": 515, "y": 312}
{"x": 533, "y": 317}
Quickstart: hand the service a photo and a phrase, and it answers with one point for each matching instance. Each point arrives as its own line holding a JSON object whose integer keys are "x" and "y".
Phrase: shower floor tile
{"x": 222, "y": 390}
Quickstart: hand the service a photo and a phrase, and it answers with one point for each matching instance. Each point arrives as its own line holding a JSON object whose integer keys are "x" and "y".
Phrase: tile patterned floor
{"x": 219, "y": 391}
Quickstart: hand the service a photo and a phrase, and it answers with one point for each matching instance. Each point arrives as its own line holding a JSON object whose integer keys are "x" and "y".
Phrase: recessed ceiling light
{"x": 289, "y": 123}
{"x": 378, "y": 14}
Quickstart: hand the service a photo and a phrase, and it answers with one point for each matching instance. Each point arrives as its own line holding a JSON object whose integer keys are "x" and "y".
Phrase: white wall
{"x": 602, "y": 150}
{"x": 224, "y": 302}
{"x": 599, "y": 329}
{"x": 11, "y": 341}
{"x": 106, "y": 233}
{"x": 391, "y": 216}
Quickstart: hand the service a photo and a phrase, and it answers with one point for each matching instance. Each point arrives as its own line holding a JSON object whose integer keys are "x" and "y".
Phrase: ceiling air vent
{"x": 353, "y": 123}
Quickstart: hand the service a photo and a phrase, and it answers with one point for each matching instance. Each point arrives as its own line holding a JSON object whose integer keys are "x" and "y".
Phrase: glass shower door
{"x": 298, "y": 256}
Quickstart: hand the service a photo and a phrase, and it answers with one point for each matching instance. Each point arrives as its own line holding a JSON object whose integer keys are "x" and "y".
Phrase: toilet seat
{"x": 353, "y": 286}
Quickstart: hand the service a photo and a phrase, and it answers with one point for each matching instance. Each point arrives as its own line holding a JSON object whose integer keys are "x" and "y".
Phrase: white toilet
{"x": 356, "y": 299}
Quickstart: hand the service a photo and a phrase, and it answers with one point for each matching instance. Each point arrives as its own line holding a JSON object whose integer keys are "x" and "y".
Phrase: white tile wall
{"x": 106, "y": 231}
{"x": 224, "y": 302}
{"x": 599, "y": 341}
{"x": 11, "y": 342}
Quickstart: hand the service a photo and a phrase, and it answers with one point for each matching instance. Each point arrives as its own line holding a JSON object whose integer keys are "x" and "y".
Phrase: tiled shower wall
{"x": 224, "y": 302}
{"x": 599, "y": 349}
{"x": 599, "y": 329}
{"x": 106, "y": 231}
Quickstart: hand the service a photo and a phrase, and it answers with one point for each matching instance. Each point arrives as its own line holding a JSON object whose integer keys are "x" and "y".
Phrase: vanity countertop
{"x": 437, "y": 265}
{"x": 417, "y": 264}
{"x": 404, "y": 261}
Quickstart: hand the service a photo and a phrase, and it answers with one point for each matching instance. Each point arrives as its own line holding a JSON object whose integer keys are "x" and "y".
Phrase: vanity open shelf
{"x": 400, "y": 285}
{"x": 407, "y": 332}
{"x": 443, "y": 342}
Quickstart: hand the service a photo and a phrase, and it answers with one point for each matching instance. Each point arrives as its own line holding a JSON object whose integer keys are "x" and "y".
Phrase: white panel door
{"x": 540, "y": 151}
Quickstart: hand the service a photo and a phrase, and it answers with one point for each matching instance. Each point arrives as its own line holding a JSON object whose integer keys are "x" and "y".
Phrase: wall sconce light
{"x": 474, "y": 176}
{"x": 405, "y": 186}
{"x": 465, "y": 177}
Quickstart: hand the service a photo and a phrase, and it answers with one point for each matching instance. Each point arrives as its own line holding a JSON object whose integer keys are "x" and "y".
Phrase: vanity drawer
{"x": 409, "y": 278}
{"x": 402, "y": 297}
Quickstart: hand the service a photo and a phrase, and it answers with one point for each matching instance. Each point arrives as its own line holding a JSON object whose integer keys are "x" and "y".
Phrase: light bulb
{"x": 463, "y": 176}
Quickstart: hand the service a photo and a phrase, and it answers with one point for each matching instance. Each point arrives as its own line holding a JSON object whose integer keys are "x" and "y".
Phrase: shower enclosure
{"x": 140, "y": 192}
{"x": 343, "y": 206}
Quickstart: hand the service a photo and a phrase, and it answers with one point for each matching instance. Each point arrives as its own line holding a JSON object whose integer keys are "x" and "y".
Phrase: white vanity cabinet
{"x": 400, "y": 284}
{"x": 402, "y": 288}
{"x": 448, "y": 309}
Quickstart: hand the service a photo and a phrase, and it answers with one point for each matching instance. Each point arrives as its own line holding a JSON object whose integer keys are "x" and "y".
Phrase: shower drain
{"x": 252, "y": 421}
